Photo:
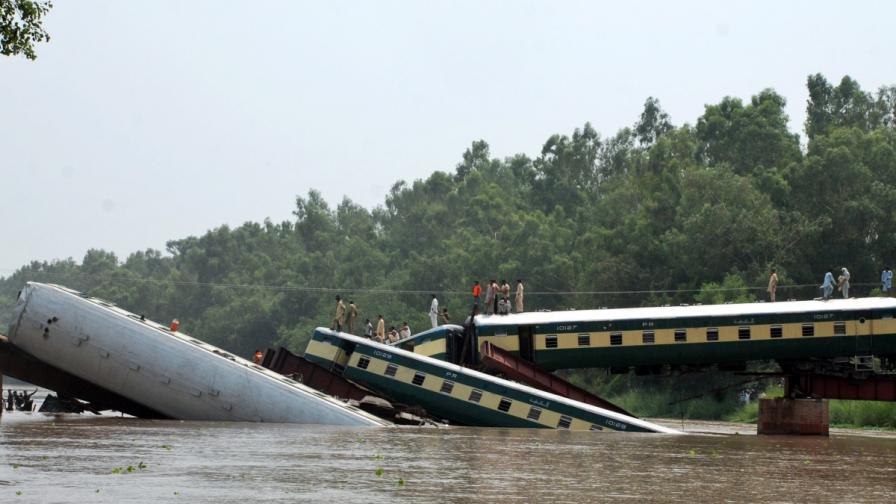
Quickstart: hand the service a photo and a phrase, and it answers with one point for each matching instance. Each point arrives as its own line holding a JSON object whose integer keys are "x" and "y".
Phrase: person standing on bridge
{"x": 886, "y": 281}
{"x": 518, "y": 296}
{"x": 352, "y": 315}
{"x": 772, "y": 285}
{"x": 827, "y": 285}
{"x": 434, "y": 311}
{"x": 339, "y": 319}
{"x": 843, "y": 282}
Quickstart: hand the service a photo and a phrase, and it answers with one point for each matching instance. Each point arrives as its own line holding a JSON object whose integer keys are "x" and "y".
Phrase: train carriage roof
{"x": 671, "y": 312}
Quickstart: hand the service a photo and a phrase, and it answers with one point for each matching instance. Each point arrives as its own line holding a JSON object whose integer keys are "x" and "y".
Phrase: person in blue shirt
{"x": 827, "y": 286}
{"x": 886, "y": 281}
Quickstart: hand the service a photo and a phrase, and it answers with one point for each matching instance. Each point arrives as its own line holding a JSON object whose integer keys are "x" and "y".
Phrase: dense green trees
{"x": 674, "y": 210}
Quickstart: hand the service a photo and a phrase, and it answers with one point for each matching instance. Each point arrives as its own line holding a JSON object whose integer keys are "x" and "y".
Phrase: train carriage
{"x": 459, "y": 394}
{"x": 689, "y": 335}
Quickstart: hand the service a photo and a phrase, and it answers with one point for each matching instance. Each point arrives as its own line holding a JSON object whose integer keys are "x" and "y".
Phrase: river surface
{"x": 77, "y": 458}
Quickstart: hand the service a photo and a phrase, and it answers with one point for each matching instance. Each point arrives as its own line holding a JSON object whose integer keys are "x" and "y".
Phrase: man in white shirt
{"x": 434, "y": 311}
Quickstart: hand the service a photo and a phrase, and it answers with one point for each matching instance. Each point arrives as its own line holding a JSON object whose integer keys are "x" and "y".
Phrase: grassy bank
{"x": 855, "y": 414}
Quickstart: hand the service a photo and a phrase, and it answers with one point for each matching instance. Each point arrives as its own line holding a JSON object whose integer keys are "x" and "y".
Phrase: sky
{"x": 146, "y": 121}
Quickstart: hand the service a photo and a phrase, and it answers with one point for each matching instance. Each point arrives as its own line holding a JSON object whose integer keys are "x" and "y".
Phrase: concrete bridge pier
{"x": 789, "y": 416}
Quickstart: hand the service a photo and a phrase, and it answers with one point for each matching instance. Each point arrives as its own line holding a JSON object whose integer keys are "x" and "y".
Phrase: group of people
{"x": 19, "y": 400}
{"x": 351, "y": 315}
{"x": 379, "y": 333}
{"x": 344, "y": 320}
{"x": 497, "y": 301}
{"x": 828, "y": 284}
{"x": 497, "y": 297}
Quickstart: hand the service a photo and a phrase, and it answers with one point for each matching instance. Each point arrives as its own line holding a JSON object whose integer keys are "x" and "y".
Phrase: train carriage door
{"x": 864, "y": 333}
{"x": 526, "y": 343}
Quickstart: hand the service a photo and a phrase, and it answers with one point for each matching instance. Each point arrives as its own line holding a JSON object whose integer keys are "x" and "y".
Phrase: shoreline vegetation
{"x": 655, "y": 214}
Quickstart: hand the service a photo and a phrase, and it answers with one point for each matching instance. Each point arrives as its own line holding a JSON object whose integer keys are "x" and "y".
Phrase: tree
{"x": 653, "y": 124}
{"x": 21, "y": 26}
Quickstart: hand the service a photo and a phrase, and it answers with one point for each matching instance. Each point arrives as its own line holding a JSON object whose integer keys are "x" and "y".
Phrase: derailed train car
{"x": 458, "y": 394}
{"x": 165, "y": 371}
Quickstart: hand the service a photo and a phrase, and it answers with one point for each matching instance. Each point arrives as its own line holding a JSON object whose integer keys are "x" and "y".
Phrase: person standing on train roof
{"x": 352, "y": 315}
{"x": 886, "y": 281}
{"x": 490, "y": 298}
{"x": 477, "y": 291}
{"x": 505, "y": 289}
{"x": 518, "y": 296}
{"x": 339, "y": 318}
{"x": 380, "y": 334}
{"x": 843, "y": 282}
{"x": 827, "y": 285}
{"x": 434, "y": 311}
{"x": 368, "y": 329}
{"x": 772, "y": 284}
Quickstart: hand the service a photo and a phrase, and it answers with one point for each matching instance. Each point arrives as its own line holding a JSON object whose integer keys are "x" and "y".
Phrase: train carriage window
{"x": 596, "y": 427}
{"x": 648, "y": 337}
{"x": 534, "y": 414}
{"x": 584, "y": 340}
{"x": 681, "y": 335}
{"x": 447, "y": 387}
{"x": 743, "y": 333}
{"x": 564, "y": 422}
{"x": 363, "y": 362}
{"x": 712, "y": 334}
{"x": 475, "y": 395}
{"x": 839, "y": 328}
{"x": 550, "y": 341}
{"x": 419, "y": 378}
{"x": 616, "y": 338}
{"x": 391, "y": 369}
{"x": 504, "y": 405}
{"x": 809, "y": 329}
{"x": 776, "y": 331}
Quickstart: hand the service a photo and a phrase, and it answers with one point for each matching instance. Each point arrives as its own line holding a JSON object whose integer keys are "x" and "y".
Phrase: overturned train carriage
{"x": 164, "y": 371}
{"x": 458, "y": 394}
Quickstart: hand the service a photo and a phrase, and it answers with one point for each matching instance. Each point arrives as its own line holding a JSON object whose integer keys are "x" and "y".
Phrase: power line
{"x": 294, "y": 288}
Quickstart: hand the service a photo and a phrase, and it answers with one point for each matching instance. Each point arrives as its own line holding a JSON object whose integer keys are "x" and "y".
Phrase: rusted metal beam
{"x": 497, "y": 359}
{"x": 18, "y": 364}
{"x": 287, "y": 363}
{"x": 871, "y": 388}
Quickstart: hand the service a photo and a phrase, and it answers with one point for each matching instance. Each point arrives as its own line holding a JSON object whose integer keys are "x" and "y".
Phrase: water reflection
{"x": 69, "y": 459}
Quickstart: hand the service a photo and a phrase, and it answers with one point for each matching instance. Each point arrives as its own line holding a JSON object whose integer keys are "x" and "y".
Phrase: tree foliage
{"x": 21, "y": 26}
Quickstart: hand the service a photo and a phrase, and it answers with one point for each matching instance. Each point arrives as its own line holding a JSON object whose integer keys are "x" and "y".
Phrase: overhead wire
{"x": 296, "y": 288}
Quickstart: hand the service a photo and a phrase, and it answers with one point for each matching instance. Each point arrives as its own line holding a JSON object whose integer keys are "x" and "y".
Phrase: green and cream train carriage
{"x": 688, "y": 335}
{"x": 458, "y": 394}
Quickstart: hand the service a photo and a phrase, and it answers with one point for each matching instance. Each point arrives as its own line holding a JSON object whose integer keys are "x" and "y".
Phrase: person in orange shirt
{"x": 477, "y": 291}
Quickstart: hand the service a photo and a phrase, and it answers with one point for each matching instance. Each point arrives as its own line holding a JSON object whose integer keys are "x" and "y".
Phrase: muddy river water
{"x": 109, "y": 459}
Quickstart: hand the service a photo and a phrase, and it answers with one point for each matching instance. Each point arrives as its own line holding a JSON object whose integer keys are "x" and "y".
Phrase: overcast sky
{"x": 144, "y": 121}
